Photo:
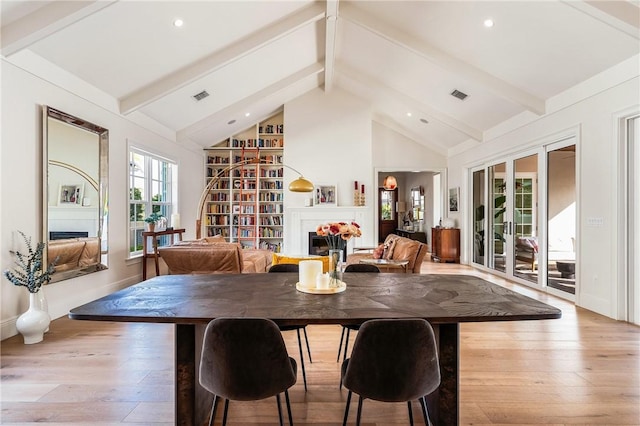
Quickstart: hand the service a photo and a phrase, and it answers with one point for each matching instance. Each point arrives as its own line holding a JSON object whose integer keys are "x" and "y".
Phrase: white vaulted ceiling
{"x": 254, "y": 56}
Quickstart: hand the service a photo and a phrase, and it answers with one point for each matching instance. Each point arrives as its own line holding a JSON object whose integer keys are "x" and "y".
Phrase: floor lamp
{"x": 298, "y": 185}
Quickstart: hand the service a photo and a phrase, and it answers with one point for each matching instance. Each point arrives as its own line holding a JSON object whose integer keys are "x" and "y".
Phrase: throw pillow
{"x": 389, "y": 247}
{"x": 378, "y": 252}
{"x": 279, "y": 258}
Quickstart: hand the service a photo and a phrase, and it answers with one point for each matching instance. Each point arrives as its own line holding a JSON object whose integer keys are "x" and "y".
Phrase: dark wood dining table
{"x": 191, "y": 301}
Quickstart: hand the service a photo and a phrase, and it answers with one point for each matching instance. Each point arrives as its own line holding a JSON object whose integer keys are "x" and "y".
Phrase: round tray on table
{"x": 342, "y": 286}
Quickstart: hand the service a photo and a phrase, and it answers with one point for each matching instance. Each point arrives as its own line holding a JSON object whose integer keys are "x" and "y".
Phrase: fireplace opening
{"x": 63, "y": 235}
{"x": 318, "y": 246}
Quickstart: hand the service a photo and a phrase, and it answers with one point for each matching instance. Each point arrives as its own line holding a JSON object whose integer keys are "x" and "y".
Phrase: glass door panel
{"x": 495, "y": 240}
{"x": 561, "y": 218}
{"x": 525, "y": 214}
{"x": 479, "y": 213}
{"x": 387, "y": 216}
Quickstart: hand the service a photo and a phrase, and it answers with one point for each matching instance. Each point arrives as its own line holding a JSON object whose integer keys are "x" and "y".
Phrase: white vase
{"x": 42, "y": 303}
{"x": 34, "y": 322}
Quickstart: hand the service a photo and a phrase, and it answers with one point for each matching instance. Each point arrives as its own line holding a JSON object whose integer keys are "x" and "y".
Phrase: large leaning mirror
{"x": 75, "y": 196}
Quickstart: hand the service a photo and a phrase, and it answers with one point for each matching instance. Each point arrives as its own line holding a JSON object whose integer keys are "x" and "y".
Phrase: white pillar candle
{"x": 308, "y": 271}
{"x": 322, "y": 281}
{"x": 175, "y": 220}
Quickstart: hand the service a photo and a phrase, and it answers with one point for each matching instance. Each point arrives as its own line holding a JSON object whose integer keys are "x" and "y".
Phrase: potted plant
{"x": 29, "y": 273}
{"x": 152, "y": 219}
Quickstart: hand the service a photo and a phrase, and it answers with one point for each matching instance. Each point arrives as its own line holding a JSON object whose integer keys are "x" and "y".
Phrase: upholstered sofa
{"x": 74, "y": 253}
{"x": 211, "y": 256}
{"x": 396, "y": 247}
{"x": 559, "y": 249}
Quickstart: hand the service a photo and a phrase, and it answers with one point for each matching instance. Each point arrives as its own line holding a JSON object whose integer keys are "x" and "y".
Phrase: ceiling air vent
{"x": 200, "y": 96}
{"x": 458, "y": 94}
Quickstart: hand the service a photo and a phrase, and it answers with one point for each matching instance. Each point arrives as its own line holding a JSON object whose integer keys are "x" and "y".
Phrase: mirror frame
{"x": 103, "y": 185}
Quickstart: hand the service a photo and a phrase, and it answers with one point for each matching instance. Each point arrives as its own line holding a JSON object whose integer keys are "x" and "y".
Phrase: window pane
{"x": 150, "y": 190}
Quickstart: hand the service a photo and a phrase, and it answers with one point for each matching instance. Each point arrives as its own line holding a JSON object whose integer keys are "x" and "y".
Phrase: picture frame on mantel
{"x": 70, "y": 194}
{"x": 325, "y": 195}
{"x": 454, "y": 197}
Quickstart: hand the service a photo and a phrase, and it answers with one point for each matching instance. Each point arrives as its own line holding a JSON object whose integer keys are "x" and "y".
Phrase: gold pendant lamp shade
{"x": 390, "y": 183}
{"x": 301, "y": 185}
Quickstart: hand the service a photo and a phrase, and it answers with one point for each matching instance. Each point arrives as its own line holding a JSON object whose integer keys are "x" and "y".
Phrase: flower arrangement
{"x": 29, "y": 272}
{"x": 338, "y": 233}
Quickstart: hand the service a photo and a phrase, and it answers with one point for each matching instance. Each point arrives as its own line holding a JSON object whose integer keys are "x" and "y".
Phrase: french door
{"x": 505, "y": 204}
{"x": 524, "y": 216}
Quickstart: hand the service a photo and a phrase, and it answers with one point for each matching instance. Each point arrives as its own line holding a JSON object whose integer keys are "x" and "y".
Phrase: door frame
{"x": 628, "y": 285}
{"x": 545, "y": 216}
{"x": 377, "y": 171}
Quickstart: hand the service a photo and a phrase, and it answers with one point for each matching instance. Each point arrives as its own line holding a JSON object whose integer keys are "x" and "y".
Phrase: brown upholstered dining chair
{"x": 292, "y": 267}
{"x": 393, "y": 360}
{"x": 245, "y": 359}
{"x": 346, "y": 329}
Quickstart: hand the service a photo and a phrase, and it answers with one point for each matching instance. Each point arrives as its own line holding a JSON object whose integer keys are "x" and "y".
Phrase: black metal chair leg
{"x": 279, "y": 409}
{"x": 341, "y": 340}
{"x": 226, "y": 410}
{"x": 346, "y": 409}
{"x": 346, "y": 345}
{"x": 212, "y": 417}
{"x": 425, "y": 414}
{"x": 410, "y": 413}
{"x": 304, "y": 374}
{"x": 306, "y": 339}
{"x": 359, "y": 416}
{"x": 286, "y": 397}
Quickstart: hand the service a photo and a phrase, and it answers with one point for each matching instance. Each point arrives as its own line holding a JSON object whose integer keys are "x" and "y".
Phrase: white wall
{"x": 328, "y": 139}
{"x": 393, "y": 151}
{"x": 332, "y": 138}
{"x": 592, "y": 121}
{"x": 20, "y": 182}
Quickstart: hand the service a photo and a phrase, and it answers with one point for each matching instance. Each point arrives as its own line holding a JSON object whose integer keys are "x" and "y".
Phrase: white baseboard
{"x": 60, "y": 308}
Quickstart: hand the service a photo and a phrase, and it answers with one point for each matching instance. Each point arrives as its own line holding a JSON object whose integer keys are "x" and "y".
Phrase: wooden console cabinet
{"x": 445, "y": 245}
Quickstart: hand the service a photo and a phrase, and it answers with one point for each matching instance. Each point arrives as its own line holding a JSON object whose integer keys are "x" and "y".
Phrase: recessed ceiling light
{"x": 178, "y": 22}
{"x": 488, "y": 23}
{"x": 409, "y": 114}
{"x": 246, "y": 114}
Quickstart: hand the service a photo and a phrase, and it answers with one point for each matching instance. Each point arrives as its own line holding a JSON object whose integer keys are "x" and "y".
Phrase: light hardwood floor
{"x": 581, "y": 369}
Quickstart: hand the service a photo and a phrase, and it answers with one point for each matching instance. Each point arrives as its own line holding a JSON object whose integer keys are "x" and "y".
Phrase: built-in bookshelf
{"x": 245, "y": 204}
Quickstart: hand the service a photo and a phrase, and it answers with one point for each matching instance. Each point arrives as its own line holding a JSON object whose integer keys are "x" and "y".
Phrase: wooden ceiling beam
{"x": 442, "y": 59}
{"x": 330, "y": 43}
{"x": 392, "y": 124}
{"x": 241, "y": 105}
{"x": 44, "y": 22}
{"x": 218, "y": 60}
{"x": 624, "y": 16}
{"x": 384, "y": 91}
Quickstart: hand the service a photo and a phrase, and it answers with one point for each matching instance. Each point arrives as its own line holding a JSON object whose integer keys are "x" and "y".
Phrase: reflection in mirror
{"x": 75, "y": 157}
{"x": 417, "y": 205}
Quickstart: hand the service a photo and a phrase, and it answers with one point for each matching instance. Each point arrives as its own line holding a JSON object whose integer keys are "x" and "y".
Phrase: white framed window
{"x": 152, "y": 188}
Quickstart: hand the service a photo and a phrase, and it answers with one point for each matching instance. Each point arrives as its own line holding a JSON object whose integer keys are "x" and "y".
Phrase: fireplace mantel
{"x": 299, "y": 221}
